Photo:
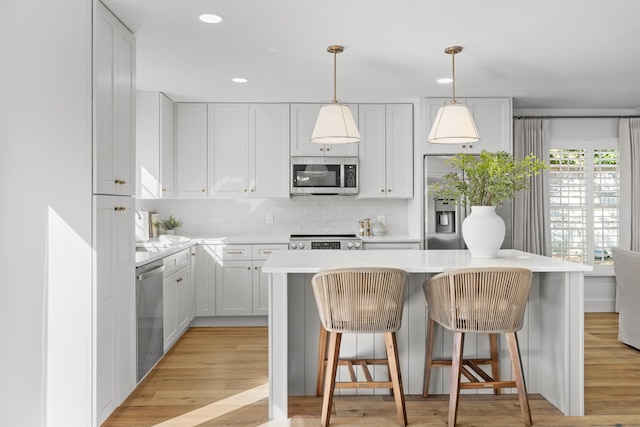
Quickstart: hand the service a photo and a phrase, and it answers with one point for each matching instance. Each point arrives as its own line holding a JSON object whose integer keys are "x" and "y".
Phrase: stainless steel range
{"x": 325, "y": 241}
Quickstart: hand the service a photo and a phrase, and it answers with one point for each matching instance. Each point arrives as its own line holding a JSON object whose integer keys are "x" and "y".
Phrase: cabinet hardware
{"x": 119, "y": 208}
{"x": 248, "y": 268}
{"x": 203, "y": 190}
{"x": 389, "y": 191}
{"x": 267, "y": 252}
{"x": 328, "y": 149}
{"x": 245, "y": 190}
{"x": 255, "y": 268}
{"x": 253, "y": 189}
{"x": 164, "y": 189}
{"x": 235, "y": 252}
{"x": 179, "y": 280}
{"x": 382, "y": 190}
{"x": 322, "y": 149}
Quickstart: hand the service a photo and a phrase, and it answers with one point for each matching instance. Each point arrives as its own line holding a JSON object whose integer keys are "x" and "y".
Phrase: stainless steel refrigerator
{"x": 443, "y": 218}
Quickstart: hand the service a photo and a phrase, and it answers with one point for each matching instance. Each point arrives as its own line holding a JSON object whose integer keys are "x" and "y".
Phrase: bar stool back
{"x": 360, "y": 300}
{"x": 478, "y": 300}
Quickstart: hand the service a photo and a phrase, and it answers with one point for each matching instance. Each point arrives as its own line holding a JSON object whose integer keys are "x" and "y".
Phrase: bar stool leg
{"x": 322, "y": 359}
{"x": 516, "y": 364}
{"x": 429, "y": 357}
{"x": 456, "y": 367}
{"x": 396, "y": 378}
{"x": 495, "y": 363}
{"x": 330, "y": 376}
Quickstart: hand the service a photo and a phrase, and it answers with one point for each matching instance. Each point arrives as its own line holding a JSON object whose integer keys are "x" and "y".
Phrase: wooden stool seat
{"x": 358, "y": 300}
{"x": 481, "y": 300}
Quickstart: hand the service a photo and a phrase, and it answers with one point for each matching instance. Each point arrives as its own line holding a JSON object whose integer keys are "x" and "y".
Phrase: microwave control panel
{"x": 350, "y": 174}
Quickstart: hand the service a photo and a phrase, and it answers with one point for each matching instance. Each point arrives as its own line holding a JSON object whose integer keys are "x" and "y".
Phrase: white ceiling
{"x": 543, "y": 53}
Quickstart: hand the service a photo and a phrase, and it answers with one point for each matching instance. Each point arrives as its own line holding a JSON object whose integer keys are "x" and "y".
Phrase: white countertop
{"x": 414, "y": 261}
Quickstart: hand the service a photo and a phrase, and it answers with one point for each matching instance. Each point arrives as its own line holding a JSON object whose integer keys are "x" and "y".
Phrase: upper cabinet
{"x": 386, "y": 151}
{"x": 303, "y": 120}
{"x": 114, "y": 105}
{"x": 154, "y": 146}
{"x": 191, "y": 150}
{"x": 248, "y": 146}
{"x": 492, "y": 117}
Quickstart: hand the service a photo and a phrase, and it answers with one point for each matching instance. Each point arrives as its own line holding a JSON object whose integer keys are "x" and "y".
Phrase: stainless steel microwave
{"x": 324, "y": 175}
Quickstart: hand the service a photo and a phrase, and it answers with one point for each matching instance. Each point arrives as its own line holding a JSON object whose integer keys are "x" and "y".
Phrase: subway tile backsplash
{"x": 303, "y": 214}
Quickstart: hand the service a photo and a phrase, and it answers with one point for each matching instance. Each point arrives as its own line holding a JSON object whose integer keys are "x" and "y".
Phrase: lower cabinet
{"x": 205, "y": 280}
{"x": 241, "y": 287}
{"x": 176, "y": 304}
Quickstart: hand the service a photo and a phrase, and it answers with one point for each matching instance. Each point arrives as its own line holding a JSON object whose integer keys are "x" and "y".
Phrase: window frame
{"x": 590, "y": 145}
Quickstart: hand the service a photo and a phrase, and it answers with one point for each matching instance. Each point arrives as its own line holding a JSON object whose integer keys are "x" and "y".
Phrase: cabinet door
{"x": 115, "y": 299}
{"x": 234, "y": 288}
{"x": 114, "y": 89}
{"x": 260, "y": 290}
{"x": 492, "y": 117}
{"x": 269, "y": 150}
{"x": 182, "y": 299}
{"x": 399, "y": 151}
{"x": 124, "y": 146}
{"x": 303, "y": 119}
{"x": 372, "y": 151}
{"x": 191, "y": 150}
{"x": 170, "y": 309}
{"x": 205, "y": 280}
{"x": 192, "y": 282}
{"x": 167, "y": 166}
{"x": 228, "y": 142}
{"x": 147, "y": 145}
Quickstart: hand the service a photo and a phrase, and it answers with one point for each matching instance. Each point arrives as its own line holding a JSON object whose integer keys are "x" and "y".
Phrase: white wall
{"x": 45, "y": 193}
{"x": 599, "y": 291}
{"x": 303, "y": 214}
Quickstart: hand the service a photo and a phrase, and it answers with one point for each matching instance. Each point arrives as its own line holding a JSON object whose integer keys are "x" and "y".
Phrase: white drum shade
{"x": 335, "y": 125}
{"x": 453, "y": 125}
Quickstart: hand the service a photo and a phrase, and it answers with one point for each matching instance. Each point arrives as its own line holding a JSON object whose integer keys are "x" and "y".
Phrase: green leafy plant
{"x": 489, "y": 179}
{"x": 170, "y": 223}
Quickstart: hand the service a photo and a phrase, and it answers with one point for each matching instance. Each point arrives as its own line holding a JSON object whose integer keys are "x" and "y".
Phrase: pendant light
{"x": 453, "y": 123}
{"x": 335, "y": 123}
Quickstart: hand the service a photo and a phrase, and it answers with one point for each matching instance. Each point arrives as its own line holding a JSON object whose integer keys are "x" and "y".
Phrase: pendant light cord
{"x": 453, "y": 69}
{"x": 335, "y": 54}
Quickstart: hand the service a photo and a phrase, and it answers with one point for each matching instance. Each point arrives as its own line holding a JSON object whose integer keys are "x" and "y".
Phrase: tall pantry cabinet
{"x": 114, "y": 359}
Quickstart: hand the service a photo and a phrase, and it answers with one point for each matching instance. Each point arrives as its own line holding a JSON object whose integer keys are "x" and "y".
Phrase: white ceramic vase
{"x": 483, "y": 231}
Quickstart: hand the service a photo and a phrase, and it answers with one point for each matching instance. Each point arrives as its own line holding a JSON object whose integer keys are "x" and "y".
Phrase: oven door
{"x": 316, "y": 176}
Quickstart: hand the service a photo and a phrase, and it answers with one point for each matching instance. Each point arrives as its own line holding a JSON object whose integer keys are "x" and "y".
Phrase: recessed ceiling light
{"x": 239, "y": 80}
{"x": 445, "y": 80}
{"x": 211, "y": 18}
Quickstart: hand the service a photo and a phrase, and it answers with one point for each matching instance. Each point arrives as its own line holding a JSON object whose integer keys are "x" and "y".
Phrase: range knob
{"x": 350, "y": 245}
{"x": 294, "y": 245}
{"x": 357, "y": 245}
{"x": 301, "y": 245}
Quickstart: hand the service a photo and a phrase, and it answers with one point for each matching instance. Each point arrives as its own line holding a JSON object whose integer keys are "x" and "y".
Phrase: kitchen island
{"x": 551, "y": 341}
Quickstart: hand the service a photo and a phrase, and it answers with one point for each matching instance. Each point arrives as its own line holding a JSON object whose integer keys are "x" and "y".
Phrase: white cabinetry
{"x": 115, "y": 298}
{"x": 114, "y": 103}
{"x": 191, "y": 150}
{"x": 241, "y": 287}
{"x": 386, "y": 151}
{"x": 205, "y": 278}
{"x": 176, "y": 278}
{"x": 303, "y": 120}
{"x": 492, "y": 117}
{"x": 248, "y": 148}
{"x": 154, "y": 145}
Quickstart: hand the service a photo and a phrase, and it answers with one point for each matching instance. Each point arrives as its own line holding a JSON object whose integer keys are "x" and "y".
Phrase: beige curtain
{"x": 629, "y": 145}
{"x": 531, "y": 208}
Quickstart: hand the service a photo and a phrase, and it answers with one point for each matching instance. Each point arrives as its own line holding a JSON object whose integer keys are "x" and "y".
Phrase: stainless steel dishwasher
{"x": 149, "y": 316}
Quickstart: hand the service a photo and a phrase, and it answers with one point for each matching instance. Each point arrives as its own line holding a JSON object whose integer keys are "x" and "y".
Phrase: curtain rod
{"x": 576, "y": 117}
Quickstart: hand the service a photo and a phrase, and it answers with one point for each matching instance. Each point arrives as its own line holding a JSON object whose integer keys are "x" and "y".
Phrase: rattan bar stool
{"x": 360, "y": 300}
{"x": 478, "y": 300}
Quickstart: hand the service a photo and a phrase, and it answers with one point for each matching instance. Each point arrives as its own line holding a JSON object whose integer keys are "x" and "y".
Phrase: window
{"x": 584, "y": 198}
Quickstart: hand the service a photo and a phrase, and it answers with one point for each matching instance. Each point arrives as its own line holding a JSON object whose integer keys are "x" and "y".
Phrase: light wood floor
{"x": 211, "y": 372}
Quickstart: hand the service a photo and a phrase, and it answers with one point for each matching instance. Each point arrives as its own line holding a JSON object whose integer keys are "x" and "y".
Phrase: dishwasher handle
{"x": 148, "y": 274}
